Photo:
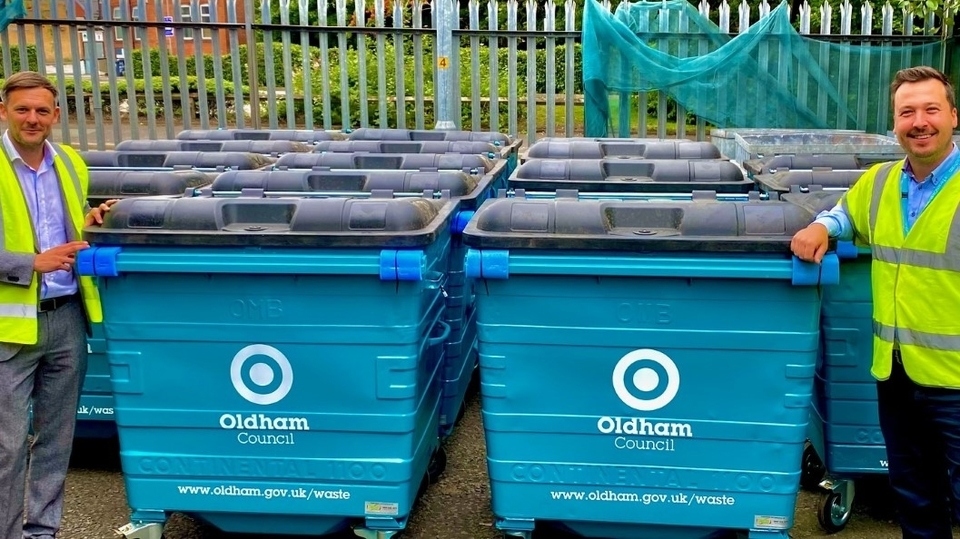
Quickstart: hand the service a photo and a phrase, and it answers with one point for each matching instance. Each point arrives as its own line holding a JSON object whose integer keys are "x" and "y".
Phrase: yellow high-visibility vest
{"x": 18, "y": 304}
{"x": 916, "y": 277}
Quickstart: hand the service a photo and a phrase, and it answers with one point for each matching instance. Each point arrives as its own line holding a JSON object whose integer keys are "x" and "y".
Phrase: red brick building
{"x": 142, "y": 38}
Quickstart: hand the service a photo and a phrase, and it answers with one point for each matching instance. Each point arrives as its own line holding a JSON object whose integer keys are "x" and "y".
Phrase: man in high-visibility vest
{"x": 45, "y": 306}
{"x": 907, "y": 213}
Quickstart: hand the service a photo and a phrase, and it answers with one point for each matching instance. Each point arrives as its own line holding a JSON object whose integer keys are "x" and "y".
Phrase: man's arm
{"x": 837, "y": 223}
{"x": 16, "y": 268}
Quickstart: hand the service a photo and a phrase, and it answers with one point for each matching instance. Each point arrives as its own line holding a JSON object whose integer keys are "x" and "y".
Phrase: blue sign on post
{"x": 168, "y": 30}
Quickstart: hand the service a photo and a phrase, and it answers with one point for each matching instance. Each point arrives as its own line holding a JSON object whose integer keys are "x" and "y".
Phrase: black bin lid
{"x": 839, "y": 161}
{"x": 387, "y": 161}
{"x": 639, "y": 226}
{"x": 458, "y": 184}
{"x": 407, "y": 146}
{"x": 273, "y": 222}
{"x": 298, "y": 135}
{"x": 106, "y": 183}
{"x": 815, "y": 200}
{"x": 631, "y": 175}
{"x": 174, "y": 158}
{"x": 783, "y": 182}
{"x": 599, "y": 149}
{"x": 368, "y": 133}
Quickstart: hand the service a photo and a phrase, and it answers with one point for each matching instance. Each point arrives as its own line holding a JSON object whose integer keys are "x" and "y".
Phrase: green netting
{"x": 769, "y": 76}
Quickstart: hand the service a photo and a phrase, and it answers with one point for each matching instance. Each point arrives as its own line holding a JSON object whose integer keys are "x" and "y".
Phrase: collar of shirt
{"x": 937, "y": 175}
{"x": 15, "y": 155}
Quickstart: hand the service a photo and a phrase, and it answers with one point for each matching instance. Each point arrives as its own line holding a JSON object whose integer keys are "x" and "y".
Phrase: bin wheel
{"x": 812, "y": 469}
{"x": 833, "y": 513}
{"x": 438, "y": 463}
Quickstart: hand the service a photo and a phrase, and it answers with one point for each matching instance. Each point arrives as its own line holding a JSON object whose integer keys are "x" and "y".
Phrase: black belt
{"x": 50, "y": 304}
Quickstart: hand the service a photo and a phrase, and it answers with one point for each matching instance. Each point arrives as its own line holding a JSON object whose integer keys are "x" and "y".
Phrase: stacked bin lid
{"x": 786, "y": 181}
{"x": 367, "y": 133}
{"x": 106, "y": 184}
{"x": 266, "y": 147}
{"x": 781, "y": 162}
{"x": 298, "y": 135}
{"x": 631, "y": 175}
{"x": 212, "y": 161}
{"x": 475, "y": 164}
{"x": 455, "y": 183}
{"x": 704, "y": 226}
{"x": 407, "y": 146}
{"x": 554, "y": 148}
{"x": 277, "y": 222}
{"x": 509, "y": 146}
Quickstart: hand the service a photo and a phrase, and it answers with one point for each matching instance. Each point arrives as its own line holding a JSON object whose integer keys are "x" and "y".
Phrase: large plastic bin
{"x": 106, "y": 184}
{"x": 630, "y": 174}
{"x": 266, "y": 147}
{"x": 845, "y": 425}
{"x": 642, "y": 148}
{"x": 784, "y": 182}
{"x": 298, "y": 135}
{"x": 497, "y": 139}
{"x": 725, "y": 138}
{"x": 486, "y": 149}
{"x": 169, "y": 160}
{"x": 756, "y": 145}
{"x": 469, "y": 192}
{"x": 620, "y": 396}
{"x": 95, "y": 416}
{"x": 285, "y": 378}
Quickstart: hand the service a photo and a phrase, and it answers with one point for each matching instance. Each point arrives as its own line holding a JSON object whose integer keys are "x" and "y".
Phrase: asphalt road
{"x": 456, "y": 507}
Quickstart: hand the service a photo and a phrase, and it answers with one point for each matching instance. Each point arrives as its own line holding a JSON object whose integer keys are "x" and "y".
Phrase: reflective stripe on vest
{"x": 917, "y": 338}
{"x": 18, "y": 310}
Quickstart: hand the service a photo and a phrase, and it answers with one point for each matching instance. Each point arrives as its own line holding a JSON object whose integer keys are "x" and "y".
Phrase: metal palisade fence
{"x": 133, "y": 69}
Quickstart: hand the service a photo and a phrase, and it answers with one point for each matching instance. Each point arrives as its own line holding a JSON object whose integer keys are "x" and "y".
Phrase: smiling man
{"x": 45, "y": 306}
{"x": 907, "y": 212}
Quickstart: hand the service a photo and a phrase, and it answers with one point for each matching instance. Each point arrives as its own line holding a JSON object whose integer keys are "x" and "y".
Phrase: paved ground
{"x": 457, "y": 507}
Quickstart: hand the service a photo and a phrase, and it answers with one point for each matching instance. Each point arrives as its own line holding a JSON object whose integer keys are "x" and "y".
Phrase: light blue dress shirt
{"x": 41, "y": 189}
{"x": 918, "y": 196}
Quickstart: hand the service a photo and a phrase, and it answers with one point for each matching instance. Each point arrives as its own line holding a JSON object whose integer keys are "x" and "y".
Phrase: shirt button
{"x": 913, "y": 214}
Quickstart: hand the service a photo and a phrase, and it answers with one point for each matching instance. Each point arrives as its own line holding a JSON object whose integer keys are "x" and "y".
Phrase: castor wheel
{"x": 833, "y": 512}
{"x": 812, "y": 469}
{"x": 438, "y": 463}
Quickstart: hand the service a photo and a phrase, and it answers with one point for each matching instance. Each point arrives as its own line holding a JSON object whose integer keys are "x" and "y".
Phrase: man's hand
{"x": 96, "y": 214}
{"x": 810, "y": 244}
{"x": 58, "y": 258}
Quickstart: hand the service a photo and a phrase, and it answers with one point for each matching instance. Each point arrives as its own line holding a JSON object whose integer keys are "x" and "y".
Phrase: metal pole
{"x": 252, "y": 70}
{"x": 444, "y": 89}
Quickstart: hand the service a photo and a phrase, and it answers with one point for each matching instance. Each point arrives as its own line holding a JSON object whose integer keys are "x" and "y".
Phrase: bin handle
{"x": 434, "y": 341}
{"x": 433, "y": 280}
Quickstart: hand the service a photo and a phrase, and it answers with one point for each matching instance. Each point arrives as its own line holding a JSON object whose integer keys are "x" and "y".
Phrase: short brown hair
{"x": 27, "y": 80}
{"x": 920, "y": 74}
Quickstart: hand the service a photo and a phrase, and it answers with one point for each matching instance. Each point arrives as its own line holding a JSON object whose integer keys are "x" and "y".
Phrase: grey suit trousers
{"x": 50, "y": 372}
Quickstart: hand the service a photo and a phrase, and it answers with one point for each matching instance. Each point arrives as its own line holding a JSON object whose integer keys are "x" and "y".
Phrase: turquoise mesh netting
{"x": 770, "y": 76}
{"x": 10, "y": 10}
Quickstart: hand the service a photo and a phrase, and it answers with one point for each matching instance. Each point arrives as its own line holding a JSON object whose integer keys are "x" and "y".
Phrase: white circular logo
{"x": 261, "y": 374}
{"x": 646, "y": 379}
